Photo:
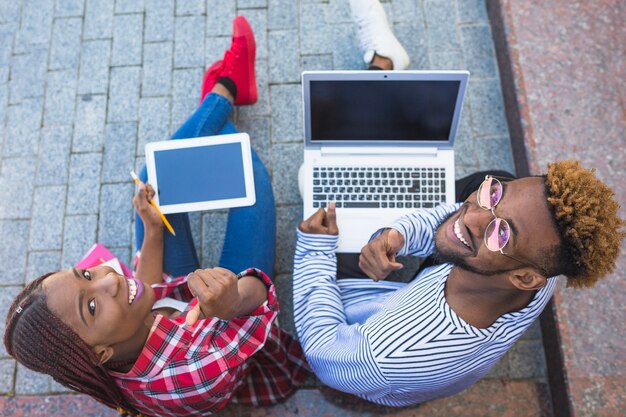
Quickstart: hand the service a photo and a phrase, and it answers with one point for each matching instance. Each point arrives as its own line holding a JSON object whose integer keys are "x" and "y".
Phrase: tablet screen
{"x": 200, "y": 174}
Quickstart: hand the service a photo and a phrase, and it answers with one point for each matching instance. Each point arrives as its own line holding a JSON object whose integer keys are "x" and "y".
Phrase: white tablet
{"x": 211, "y": 172}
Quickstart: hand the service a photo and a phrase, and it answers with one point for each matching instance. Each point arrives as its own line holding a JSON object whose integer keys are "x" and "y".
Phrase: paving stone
{"x": 282, "y": 14}
{"x": 46, "y": 223}
{"x": 195, "y": 224}
{"x": 259, "y": 131}
{"x": 54, "y": 155}
{"x": 284, "y": 291}
{"x": 127, "y": 39}
{"x": 55, "y": 387}
{"x": 316, "y": 62}
{"x": 190, "y": 7}
{"x": 79, "y": 234}
{"x": 494, "y": 153}
{"x": 407, "y": 11}
{"x": 262, "y": 106}
{"x": 215, "y": 47}
{"x": 159, "y": 21}
{"x": 464, "y": 148}
{"x": 472, "y": 11}
{"x": 119, "y": 152}
{"x": 28, "y": 74}
{"x": 7, "y": 372}
{"x": 258, "y": 21}
{"x": 501, "y": 369}
{"x": 60, "y": 98}
{"x": 13, "y": 251}
{"x": 125, "y": 6}
{"x": 124, "y": 94}
{"x": 115, "y": 214}
{"x": 35, "y": 24}
{"x": 84, "y": 183}
{"x": 30, "y": 382}
{"x": 288, "y": 217}
{"x": 67, "y": 8}
{"x": 478, "y": 50}
{"x": 89, "y": 123}
{"x": 485, "y": 99}
{"x": 286, "y": 113}
{"x": 9, "y": 11}
{"x": 7, "y": 33}
{"x": 94, "y": 67}
{"x": 286, "y": 159}
{"x": 284, "y": 59}
{"x": 412, "y": 35}
{"x": 16, "y": 187}
{"x": 314, "y": 32}
{"x": 441, "y": 24}
{"x": 185, "y": 94}
{"x": 339, "y": 12}
{"x": 65, "y": 48}
{"x": 123, "y": 253}
{"x": 40, "y": 263}
{"x": 527, "y": 360}
{"x": 219, "y": 18}
{"x": 157, "y": 69}
{"x": 464, "y": 170}
{"x": 250, "y": 4}
{"x": 213, "y": 230}
{"x": 98, "y": 22}
{"x": 346, "y": 53}
{"x": 23, "y": 122}
{"x": 154, "y": 121}
{"x": 189, "y": 42}
{"x": 447, "y": 60}
{"x": 533, "y": 332}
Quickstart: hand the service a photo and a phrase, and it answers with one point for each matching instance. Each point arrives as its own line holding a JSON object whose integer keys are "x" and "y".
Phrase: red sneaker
{"x": 210, "y": 78}
{"x": 238, "y": 62}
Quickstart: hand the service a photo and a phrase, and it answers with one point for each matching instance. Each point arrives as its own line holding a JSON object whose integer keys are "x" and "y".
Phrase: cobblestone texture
{"x": 84, "y": 85}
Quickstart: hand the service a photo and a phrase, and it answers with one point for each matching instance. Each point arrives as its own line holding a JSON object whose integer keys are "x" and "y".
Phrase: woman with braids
{"x": 160, "y": 345}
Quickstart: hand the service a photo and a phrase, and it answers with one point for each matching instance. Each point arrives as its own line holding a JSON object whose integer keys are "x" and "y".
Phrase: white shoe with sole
{"x": 375, "y": 34}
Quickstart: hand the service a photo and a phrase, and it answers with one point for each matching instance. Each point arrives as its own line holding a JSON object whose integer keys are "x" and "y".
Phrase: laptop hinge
{"x": 428, "y": 151}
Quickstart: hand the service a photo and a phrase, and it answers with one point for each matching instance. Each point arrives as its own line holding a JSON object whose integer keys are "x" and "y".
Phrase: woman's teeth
{"x": 457, "y": 232}
{"x": 132, "y": 290}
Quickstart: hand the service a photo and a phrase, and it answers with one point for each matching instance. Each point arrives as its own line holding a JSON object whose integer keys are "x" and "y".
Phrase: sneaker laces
{"x": 232, "y": 54}
{"x": 369, "y": 30}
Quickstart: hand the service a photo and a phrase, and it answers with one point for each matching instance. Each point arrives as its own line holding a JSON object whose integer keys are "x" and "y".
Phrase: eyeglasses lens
{"x": 497, "y": 234}
{"x": 489, "y": 193}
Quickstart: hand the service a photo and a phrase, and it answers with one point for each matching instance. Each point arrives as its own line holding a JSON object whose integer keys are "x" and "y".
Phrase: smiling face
{"x": 460, "y": 238}
{"x": 105, "y": 309}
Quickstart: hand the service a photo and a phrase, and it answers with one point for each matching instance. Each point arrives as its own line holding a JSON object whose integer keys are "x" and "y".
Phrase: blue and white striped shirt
{"x": 394, "y": 343}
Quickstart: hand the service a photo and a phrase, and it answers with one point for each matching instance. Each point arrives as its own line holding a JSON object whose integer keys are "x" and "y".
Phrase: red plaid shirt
{"x": 198, "y": 369}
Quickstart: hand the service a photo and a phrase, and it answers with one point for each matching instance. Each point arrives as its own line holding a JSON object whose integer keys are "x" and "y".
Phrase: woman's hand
{"x": 148, "y": 214}
{"x": 217, "y": 292}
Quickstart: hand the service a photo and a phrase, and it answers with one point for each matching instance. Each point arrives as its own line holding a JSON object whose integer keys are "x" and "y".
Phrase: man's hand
{"x": 321, "y": 222}
{"x": 378, "y": 258}
{"x": 217, "y": 293}
{"x": 148, "y": 214}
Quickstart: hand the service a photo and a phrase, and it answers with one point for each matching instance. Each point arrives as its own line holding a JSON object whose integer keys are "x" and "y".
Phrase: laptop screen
{"x": 371, "y": 110}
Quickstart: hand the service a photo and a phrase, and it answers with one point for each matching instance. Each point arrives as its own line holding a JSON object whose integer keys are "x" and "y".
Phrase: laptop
{"x": 379, "y": 144}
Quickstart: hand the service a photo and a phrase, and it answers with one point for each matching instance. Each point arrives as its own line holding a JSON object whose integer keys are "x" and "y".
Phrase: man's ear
{"x": 105, "y": 353}
{"x": 527, "y": 279}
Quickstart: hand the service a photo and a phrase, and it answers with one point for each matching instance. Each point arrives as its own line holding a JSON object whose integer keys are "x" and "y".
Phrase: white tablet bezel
{"x": 242, "y": 138}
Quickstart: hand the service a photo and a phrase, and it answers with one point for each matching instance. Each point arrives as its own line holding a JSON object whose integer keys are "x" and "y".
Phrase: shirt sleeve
{"x": 418, "y": 229}
{"x": 338, "y": 352}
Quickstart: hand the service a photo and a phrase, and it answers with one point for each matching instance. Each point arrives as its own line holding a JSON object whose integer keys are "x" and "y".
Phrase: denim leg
{"x": 179, "y": 252}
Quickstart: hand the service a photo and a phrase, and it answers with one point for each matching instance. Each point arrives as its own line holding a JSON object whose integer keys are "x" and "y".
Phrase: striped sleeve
{"x": 418, "y": 229}
{"x": 339, "y": 353}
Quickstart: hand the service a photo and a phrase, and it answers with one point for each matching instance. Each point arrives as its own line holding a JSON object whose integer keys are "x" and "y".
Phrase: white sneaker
{"x": 375, "y": 34}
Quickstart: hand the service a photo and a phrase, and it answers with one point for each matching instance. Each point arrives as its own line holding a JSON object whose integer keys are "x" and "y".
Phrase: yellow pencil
{"x": 167, "y": 224}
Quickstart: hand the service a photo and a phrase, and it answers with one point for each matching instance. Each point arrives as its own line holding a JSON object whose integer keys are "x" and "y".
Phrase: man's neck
{"x": 480, "y": 300}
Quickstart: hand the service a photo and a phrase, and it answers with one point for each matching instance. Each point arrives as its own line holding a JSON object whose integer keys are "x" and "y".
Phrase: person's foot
{"x": 237, "y": 64}
{"x": 375, "y": 35}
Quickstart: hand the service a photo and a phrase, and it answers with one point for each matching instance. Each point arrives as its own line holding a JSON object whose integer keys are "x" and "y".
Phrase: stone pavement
{"x": 84, "y": 84}
{"x": 568, "y": 88}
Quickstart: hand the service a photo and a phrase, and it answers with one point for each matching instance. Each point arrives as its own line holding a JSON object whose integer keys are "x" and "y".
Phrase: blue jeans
{"x": 250, "y": 238}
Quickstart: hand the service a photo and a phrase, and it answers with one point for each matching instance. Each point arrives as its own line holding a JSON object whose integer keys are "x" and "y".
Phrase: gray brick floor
{"x": 85, "y": 84}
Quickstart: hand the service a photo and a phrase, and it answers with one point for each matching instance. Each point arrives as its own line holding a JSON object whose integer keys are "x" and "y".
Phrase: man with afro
{"x": 498, "y": 255}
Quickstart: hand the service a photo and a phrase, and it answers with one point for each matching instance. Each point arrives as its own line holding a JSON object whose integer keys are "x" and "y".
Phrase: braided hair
{"x": 42, "y": 342}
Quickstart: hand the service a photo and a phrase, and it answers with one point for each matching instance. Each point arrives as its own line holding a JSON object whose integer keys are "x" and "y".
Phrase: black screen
{"x": 382, "y": 110}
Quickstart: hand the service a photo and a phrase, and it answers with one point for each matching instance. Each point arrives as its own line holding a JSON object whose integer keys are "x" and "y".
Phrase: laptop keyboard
{"x": 379, "y": 187}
